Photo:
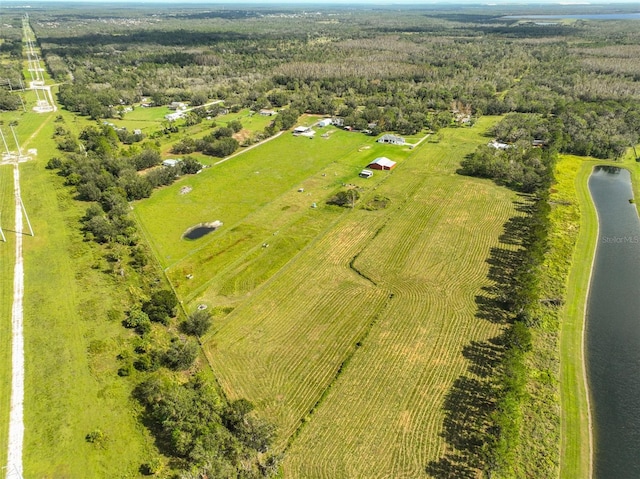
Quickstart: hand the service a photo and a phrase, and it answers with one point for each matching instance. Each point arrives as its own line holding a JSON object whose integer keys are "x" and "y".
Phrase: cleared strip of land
{"x": 7, "y": 260}
{"x": 572, "y": 175}
{"x": 16, "y": 415}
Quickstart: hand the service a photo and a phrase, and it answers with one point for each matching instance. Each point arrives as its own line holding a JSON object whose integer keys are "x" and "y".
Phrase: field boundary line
{"x": 341, "y": 368}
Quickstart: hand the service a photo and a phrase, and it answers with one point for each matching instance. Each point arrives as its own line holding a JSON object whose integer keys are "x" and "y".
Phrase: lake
{"x": 613, "y": 328}
{"x": 584, "y": 16}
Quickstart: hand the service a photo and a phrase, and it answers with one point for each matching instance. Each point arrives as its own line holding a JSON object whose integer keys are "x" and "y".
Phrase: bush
{"x": 96, "y": 437}
{"x": 346, "y": 198}
{"x": 161, "y": 306}
{"x": 198, "y": 323}
{"x": 181, "y": 354}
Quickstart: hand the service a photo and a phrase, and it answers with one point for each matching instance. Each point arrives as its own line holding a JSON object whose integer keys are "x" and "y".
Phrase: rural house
{"x": 177, "y": 105}
{"x": 303, "y": 131}
{"x": 392, "y": 139}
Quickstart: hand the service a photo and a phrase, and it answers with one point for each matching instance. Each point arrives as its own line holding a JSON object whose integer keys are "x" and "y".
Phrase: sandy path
{"x": 16, "y": 425}
{"x": 249, "y": 148}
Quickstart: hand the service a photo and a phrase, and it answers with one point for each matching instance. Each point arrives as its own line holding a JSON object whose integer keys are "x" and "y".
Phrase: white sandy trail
{"x": 16, "y": 424}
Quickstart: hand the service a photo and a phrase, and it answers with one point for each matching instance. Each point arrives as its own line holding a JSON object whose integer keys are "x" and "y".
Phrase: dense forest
{"x": 401, "y": 72}
{"x": 566, "y": 87}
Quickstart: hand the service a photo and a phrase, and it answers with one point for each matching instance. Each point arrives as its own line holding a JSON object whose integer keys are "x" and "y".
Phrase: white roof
{"x": 497, "y": 145}
{"x": 383, "y": 161}
{"x": 300, "y": 128}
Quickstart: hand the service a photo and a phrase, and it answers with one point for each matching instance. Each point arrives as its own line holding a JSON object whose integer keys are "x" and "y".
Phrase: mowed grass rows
{"x": 385, "y": 302}
{"x": 383, "y": 416}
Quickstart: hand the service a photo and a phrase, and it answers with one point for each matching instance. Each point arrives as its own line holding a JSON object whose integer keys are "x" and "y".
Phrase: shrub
{"x": 198, "y": 323}
{"x": 345, "y": 198}
{"x": 181, "y": 354}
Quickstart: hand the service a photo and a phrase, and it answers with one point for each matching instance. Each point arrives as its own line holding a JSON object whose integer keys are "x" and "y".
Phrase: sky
{"x": 342, "y": 2}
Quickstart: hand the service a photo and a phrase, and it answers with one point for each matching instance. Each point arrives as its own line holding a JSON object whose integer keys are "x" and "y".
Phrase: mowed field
{"x": 383, "y": 415}
{"x": 349, "y": 342}
{"x": 256, "y": 196}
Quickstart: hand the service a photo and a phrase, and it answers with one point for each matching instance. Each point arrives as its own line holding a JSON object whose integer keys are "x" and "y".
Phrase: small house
{"x": 391, "y": 139}
{"x": 174, "y": 116}
{"x": 300, "y": 129}
{"x": 303, "y": 131}
{"x": 171, "y": 162}
{"x": 265, "y": 112}
{"x": 365, "y": 174}
{"x": 177, "y": 105}
{"x": 382, "y": 163}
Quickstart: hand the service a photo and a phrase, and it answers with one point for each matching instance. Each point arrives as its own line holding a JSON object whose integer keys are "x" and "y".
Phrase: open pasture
{"x": 251, "y": 121}
{"x": 383, "y": 415}
{"x": 351, "y": 347}
{"x": 256, "y": 196}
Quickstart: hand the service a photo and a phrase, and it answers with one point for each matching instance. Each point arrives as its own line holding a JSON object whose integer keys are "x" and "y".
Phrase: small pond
{"x": 200, "y": 230}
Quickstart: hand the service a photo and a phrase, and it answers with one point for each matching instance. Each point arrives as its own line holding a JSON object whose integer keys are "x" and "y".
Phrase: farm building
{"x": 392, "y": 139}
{"x": 324, "y": 122}
{"x": 265, "y": 112}
{"x": 382, "y": 163}
{"x": 365, "y": 174}
{"x": 303, "y": 131}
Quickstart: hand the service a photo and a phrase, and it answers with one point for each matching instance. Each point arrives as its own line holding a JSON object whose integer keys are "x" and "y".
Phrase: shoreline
{"x": 576, "y": 427}
{"x": 583, "y": 348}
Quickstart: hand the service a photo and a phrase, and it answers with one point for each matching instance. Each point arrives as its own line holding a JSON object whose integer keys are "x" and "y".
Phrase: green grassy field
{"x": 250, "y": 121}
{"x": 572, "y": 174}
{"x": 256, "y": 196}
{"x": 371, "y": 315}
